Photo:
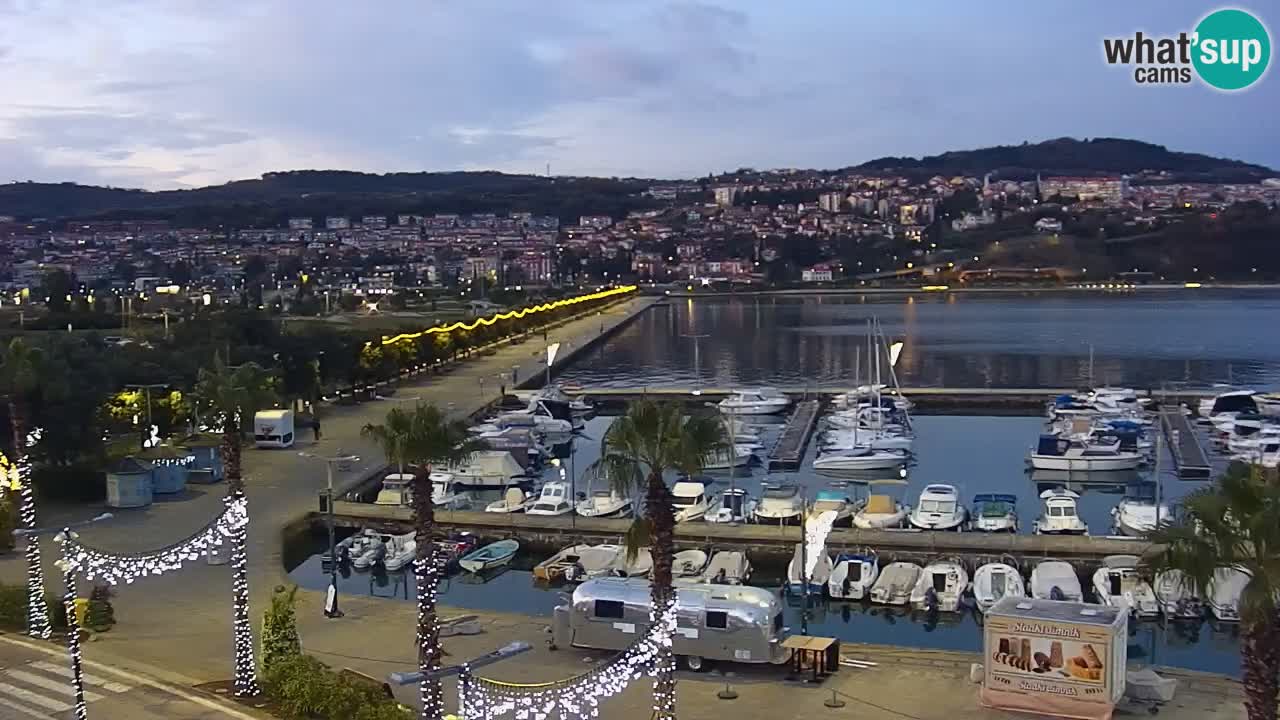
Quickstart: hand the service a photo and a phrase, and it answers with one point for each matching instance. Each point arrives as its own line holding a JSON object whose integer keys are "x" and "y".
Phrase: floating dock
{"x": 1184, "y": 444}
{"x": 788, "y": 451}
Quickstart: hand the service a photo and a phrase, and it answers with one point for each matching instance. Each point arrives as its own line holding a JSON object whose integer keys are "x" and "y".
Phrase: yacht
{"x": 861, "y": 458}
{"x": 1055, "y": 580}
{"x": 689, "y": 499}
{"x": 895, "y": 583}
{"x": 1235, "y": 401}
{"x": 734, "y": 506}
{"x": 1268, "y": 403}
{"x": 488, "y": 469}
{"x": 397, "y": 490}
{"x": 853, "y": 575}
{"x": 445, "y": 493}
{"x": 1136, "y": 518}
{"x": 834, "y": 440}
{"x": 1117, "y": 584}
{"x": 1055, "y": 453}
{"x": 553, "y": 500}
{"x": 832, "y": 501}
{"x": 994, "y": 513}
{"x": 513, "y": 501}
{"x": 817, "y": 577}
{"x": 1224, "y": 593}
{"x": 780, "y": 505}
{"x": 727, "y": 567}
{"x": 1059, "y": 516}
{"x": 757, "y": 401}
{"x": 940, "y": 586}
{"x": 994, "y": 581}
{"x": 1177, "y": 596}
{"x": 604, "y": 504}
{"x": 939, "y": 509}
{"x": 879, "y": 512}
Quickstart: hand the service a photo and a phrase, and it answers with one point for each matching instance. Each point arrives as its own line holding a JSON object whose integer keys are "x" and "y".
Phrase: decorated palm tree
{"x": 19, "y": 378}
{"x": 1235, "y": 524}
{"x": 636, "y": 452}
{"x": 235, "y": 395}
{"x": 420, "y": 439}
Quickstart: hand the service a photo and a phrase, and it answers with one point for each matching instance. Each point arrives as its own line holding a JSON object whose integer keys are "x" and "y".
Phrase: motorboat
{"x": 354, "y": 546}
{"x": 727, "y": 567}
{"x": 1055, "y": 580}
{"x": 604, "y": 503}
{"x": 994, "y": 512}
{"x": 862, "y": 458}
{"x": 553, "y": 500}
{"x": 449, "y": 549}
{"x": 401, "y": 550}
{"x": 513, "y": 501}
{"x": 1234, "y": 401}
{"x": 444, "y": 491}
{"x": 734, "y": 505}
{"x": 1118, "y": 584}
{"x": 372, "y": 553}
{"x": 853, "y": 575}
{"x": 543, "y": 414}
{"x": 939, "y": 509}
{"x": 895, "y": 583}
{"x": 493, "y": 555}
{"x": 817, "y": 578}
{"x": 488, "y": 469}
{"x": 940, "y": 586}
{"x": 740, "y": 456}
{"x": 756, "y": 401}
{"x": 397, "y": 490}
{"x": 1224, "y": 593}
{"x": 780, "y": 505}
{"x": 519, "y": 441}
{"x": 848, "y": 440}
{"x": 555, "y": 567}
{"x": 832, "y": 501}
{"x": 639, "y": 565}
{"x": 878, "y": 512}
{"x": 994, "y": 581}
{"x": 1060, "y": 516}
{"x": 1177, "y": 596}
{"x": 1268, "y": 404}
{"x": 689, "y": 499}
{"x": 1055, "y": 453}
{"x": 1136, "y": 518}
{"x": 689, "y": 565}
{"x": 594, "y": 561}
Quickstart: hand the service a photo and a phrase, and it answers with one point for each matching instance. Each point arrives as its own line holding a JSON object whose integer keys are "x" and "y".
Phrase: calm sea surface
{"x": 1033, "y": 339}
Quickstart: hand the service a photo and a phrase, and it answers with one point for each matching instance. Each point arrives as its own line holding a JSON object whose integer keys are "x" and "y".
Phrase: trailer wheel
{"x": 695, "y": 663}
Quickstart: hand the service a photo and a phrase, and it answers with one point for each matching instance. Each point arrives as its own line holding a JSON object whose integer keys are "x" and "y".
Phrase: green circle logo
{"x": 1232, "y": 49}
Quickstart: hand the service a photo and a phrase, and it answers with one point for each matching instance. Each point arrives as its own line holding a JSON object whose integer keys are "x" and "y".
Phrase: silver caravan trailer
{"x": 733, "y": 623}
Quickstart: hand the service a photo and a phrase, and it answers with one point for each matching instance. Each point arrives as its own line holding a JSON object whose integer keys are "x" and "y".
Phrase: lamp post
{"x": 331, "y": 600}
{"x": 147, "y": 390}
{"x": 463, "y": 671}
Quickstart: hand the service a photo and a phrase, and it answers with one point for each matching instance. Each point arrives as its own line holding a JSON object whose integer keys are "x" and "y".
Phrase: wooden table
{"x": 823, "y": 654}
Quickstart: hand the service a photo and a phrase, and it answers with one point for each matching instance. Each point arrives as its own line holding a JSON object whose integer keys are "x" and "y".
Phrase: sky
{"x": 181, "y": 93}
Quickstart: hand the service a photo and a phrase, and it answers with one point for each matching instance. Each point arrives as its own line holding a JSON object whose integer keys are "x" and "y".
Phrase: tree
{"x": 56, "y": 286}
{"x": 280, "y": 629}
{"x": 422, "y": 438}
{"x": 635, "y": 453}
{"x": 100, "y": 615}
{"x": 1235, "y": 524}
{"x": 19, "y": 378}
{"x": 236, "y": 394}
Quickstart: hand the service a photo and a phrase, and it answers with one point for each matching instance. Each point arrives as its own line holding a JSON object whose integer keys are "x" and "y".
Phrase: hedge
{"x": 304, "y": 688}
{"x": 13, "y": 609}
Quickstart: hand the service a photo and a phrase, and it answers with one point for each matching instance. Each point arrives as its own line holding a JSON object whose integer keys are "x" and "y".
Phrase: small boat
{"x": 994, "y": 513}
{"x": 860, "y": 458}
{"x": 895, "y": 583}
{"x": 604, "y": 503}
{"x": 835, "y": 502}
{"x": 689, "y": 498}
{"x": 373, "y": 553}
{"x": 757, "y": 401}
{"x": 733, "y": 506}
{"x": 994, "y": 581}
{"x": 1224, "y": 593}
{"x": 352, "y": 547}
{"x": 488, "y": 469}
{"x": 553, "y": 500}
{"x": 689, "y": 565}
{"x": 817, "y": 579}
{"x": 1055, "y": 453}
{"x": 444, "y": 492}
{"x": 1117, "y": 584}
{"x": 397, "y": 490}
{"x": 878, "y": 512}
{"x": 449, "y": 549}
{"x": 555, "y": 567}
{"x": 495, "y": 554}
{"x": 853, "y": 575}
{"x": 1268, "y": 404}
{"x": 845, "y": 439}
{"x": 639, "y": 566}
{"x": 1060, "y": 516}
{"x": 513, "y": 501}
{"x": 740, "y": 456}
{"x": 1136, "y": 518}
{"x": 401, "y": 550}
{"x": 940, "y": 586}
{"x": 727, "y": 567}
{"x": 594, "y": 561}
{"x": 939, "y": 509}
{"x": 1177, "y": 596}
{"x": 1055, "y": 580}
{"x": 780, "y": 505}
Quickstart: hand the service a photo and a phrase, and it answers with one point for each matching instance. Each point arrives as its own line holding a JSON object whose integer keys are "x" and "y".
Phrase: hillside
{"x": 1068, "y": 156}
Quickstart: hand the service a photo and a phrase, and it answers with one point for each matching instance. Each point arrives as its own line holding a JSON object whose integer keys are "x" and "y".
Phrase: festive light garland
{"x": 430, "y": 695}
{"x": 483, "y": 699}
{"x": 66, "y": 537}
{"x": 246, "y": 679}
{"x": 19, "y": 474}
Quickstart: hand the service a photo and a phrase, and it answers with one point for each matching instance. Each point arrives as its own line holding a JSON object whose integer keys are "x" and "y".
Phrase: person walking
{"x": 315, "y": 427}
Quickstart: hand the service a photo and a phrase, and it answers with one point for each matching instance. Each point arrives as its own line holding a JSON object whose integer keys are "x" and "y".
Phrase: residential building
{"x": 337, "y": 223}
{"x": 726, "y": 195}
{"x": 818, "y": 273}
{"x": 831, "y": 202}
{"x": 598, "y": 222}
{"x": 300, "y": 223}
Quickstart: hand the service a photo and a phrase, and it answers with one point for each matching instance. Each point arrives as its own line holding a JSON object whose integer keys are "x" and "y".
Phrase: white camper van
{"x": 273, "y": 429}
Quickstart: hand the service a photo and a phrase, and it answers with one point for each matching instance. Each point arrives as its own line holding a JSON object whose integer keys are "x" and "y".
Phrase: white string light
{"x": 66, "y": 537}
{"x": 246, "y": 680}
{"x": 19, "y": 473}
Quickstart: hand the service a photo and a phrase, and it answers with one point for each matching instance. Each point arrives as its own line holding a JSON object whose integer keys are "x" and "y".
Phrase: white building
{"x": 337, "y": 223}
{"x": 726, "y": 195}
{"x": 300, "y": 223}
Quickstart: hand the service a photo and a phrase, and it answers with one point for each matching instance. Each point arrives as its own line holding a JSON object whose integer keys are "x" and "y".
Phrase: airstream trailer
{"x": 733, "y": 623}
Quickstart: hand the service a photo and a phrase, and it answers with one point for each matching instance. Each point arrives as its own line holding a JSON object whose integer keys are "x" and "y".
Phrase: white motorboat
{"x": 639, "y": 566}
{"x": 1060, "y": 516}
{"x": 494, "y": 555}
{"x": 780, "y": 505}
{"x": 940, "y": 586}
{"x": 689, "y": 498}
{"x": 1055, "y": 453}
{"x": 513, "y": 501}
{"x": 994, "y": 581}
{"x": 1177, "y": 596}
{"x": 397, "y": 490}
{"x": 874, "y": 439}
{"x": 740, "y": 456}
{"x": 895, "y": 583}
{"x": 879, "y": 512}
{"x": 862, "y": 458}
{"x": 1235, "y": 401}
{"x": 994, "y": 512}
{"x": 488, "y": 469}
{"x": 604, "y": 503}
{"x": 371, "y": 553}
{"x": 832, "y": 501}
{"x": 1135, "y": 518}
{"x": 354, "y": 546}
{"x": 1117, "y": 584}
{"x": 817, "y": 579}
{"x": 756, "y": 401}
{"x": 734, "y": 505}
{"x": 445, "y": 493}
{"x": 853, "y": 575}
{"x": 1268, "y": 403}
{"x": 939, "y": 509}
{"x": 1055, "y": 580}
{"x": 1224, "y": 593}
{"x": 553, "y": 500}
{"x": 401, "y": 550}
{"x": 727, "y": 567}
{"x": 594, "y": 561}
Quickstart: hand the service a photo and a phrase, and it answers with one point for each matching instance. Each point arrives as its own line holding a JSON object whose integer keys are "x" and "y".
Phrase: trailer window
{"x": 718, "y": 619}
{"x": 608, "y": 609}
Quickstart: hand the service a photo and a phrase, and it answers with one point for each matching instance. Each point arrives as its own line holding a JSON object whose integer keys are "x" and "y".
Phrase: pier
{"x": 788, "y": 451}
{"x": 1184, "y": 445}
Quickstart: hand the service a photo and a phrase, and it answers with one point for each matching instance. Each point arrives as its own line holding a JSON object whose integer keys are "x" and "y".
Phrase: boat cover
{"x": 880, "y": 505}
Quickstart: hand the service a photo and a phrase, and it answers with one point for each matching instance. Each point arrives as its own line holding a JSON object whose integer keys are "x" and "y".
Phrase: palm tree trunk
{"x": 246, "y": 676}
{"x": 37, "y": 610}
{"x": 662, "y": 523}
{"x": 427, "y": 568}
{"x": 1259, "y": 656}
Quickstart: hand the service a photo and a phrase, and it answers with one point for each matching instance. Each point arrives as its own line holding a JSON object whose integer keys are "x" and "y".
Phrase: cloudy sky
{"x": 174, "y": 93}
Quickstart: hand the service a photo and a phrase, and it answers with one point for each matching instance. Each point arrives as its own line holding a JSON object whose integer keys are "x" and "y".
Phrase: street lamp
{"x": 331, "y": 598}
{"x": 506, "y": 651}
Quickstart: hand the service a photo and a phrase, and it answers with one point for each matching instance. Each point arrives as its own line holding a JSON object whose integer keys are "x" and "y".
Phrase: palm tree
{"x": 236, "y": 394}
{"x": 420, "y": 439}
{"x": 1235, "y": 523}
{"x": 635, "y": 453}
{"x": 19, "y": 377}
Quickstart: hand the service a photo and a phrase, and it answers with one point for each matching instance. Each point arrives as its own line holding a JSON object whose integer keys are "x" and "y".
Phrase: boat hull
{"x": 1080, "y": 464}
